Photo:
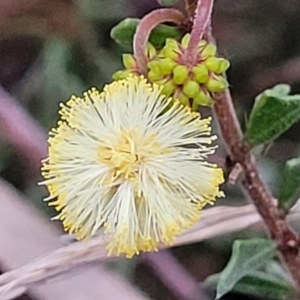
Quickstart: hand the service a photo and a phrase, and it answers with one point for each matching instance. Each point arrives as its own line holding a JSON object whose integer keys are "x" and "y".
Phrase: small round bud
{"x": 203, "y": 99}
{"x": 217, "y": 65}
{"x": 184, "y": 99}
{"x": 122, "y": 74}
{"x": 191, "y": 88}
{"x": 180, "y": 74}
{"x": 166, "y": 66}
{"x": 171, "y": 49}
{"x": 168, "y": 88}
{"x": 128, "y": 61}
{"x": 201, "y": 73}
{"x": 185, "y": 40}
{"x": 170, "y": 53}
{"x": 150, "y": 50}
{"x": 217, "y": 84}
{"x": 208, "y": 51}
{"x": 154, "y": 66}
{"x": 153, "y": 76}
{"x": 202, "y": 44}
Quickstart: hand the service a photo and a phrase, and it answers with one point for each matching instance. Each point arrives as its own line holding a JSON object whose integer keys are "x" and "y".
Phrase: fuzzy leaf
{"x": 273, "y": 113}
{"x": 247, "y": 256}
{"x": 123, "y": 33}
{"x": 289, "y": 191}
{"x": 264, "y": 286}
{"x": 260, "y": 284}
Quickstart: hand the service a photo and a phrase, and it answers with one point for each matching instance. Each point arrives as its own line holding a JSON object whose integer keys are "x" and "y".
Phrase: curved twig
{"x": 144, "y": 29}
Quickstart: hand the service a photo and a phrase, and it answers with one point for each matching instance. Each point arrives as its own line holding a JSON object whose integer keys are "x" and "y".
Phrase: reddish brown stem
{"x": 287, "y": 240}
{"x": 144, "y": 29}
{"x": 275, "y": 221}
{"x": 201, "y": 21}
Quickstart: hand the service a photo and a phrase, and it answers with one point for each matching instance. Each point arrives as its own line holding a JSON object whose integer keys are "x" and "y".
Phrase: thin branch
{"x": 201, "y": 21}
{"x": 214, "y": 222}
{"x": 288, "y": 241}
{"x": 276, "y": 224}
{"x": 26, "y": 234}
{"x": 144, "y": 29}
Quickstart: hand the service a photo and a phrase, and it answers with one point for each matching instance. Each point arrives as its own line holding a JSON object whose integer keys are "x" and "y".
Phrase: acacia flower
{"x": 132, "y": 161}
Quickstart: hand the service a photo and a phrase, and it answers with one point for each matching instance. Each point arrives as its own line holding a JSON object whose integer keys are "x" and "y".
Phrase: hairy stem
{"x": 201, "y": 21}
{"x": 144, "y": 29}
{"x": 239, "y": 150}
{"x": 275, "y": 221}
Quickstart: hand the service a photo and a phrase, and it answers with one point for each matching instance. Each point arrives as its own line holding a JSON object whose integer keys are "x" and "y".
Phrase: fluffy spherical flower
{"x": 131, "y": 161}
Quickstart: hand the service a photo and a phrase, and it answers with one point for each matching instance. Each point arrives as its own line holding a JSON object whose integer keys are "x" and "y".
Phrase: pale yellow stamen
{"x": 133, "y": 162}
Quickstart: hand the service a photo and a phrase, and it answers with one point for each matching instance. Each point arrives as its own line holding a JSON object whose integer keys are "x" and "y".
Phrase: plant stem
{"x": 144, "y": 29}
{"x": 239, "y": 151}
{"x": 201, "y": 21}
{"x": 287, "y": 240}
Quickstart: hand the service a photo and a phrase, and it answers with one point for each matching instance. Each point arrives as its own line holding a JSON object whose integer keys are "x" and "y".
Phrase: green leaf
{"x": 260, "y": 284}
{"x": 265, "y": 286}
{"x": 247, "y": 256}
{"x": 123, "y": 33}
{"x": 289, "y": 191}
{"x": 280, "y": 90}
{"x": 273, "y": 113}
{"x": 167, "y": 2}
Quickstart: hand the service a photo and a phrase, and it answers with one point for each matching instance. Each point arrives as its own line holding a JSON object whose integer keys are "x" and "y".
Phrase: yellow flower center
{"x": 122, "y": 157}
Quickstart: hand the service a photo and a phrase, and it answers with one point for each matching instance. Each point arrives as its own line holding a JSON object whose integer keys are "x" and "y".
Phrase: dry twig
{"x": 26, "y": 235}
{"x": 215, "y": 221}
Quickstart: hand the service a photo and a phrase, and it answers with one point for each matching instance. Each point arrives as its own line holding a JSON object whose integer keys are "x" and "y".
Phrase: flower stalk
{"x": 144, "y": 29}
{"x": 287, "y": 240}
{"x": 200, "y": 23}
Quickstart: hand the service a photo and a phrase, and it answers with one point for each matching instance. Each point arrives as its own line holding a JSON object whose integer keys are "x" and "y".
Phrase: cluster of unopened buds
{"x": 192, "y": 82}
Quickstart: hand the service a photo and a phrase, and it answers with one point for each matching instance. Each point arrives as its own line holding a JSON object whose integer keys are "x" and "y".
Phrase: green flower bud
{"x": 128, "y": 61}
{"x": 202, "y": 44}
{"x": 191, "y": 88}
{"x": 166, "y": 66}
{"x": 217, "y": 84}
{"x": 180, "y": 74}
{"x": 150, "y": 50}
{"x": 154, "y": 66}
{"x": 217, "y": 65}
{"x": 122, "y": 74}
{"x": 194, "y": 106}
{"x": 203, "y": 99}
{"x": 209, "y": 50}
{"x": 170, "y": 53}
{"x": 168, "y": 88}
{"x": 201, "y": 73}
{"x": 162, "y": 81}
{"x": 171, "y": 43}
{"x": 184, "y": 99}
{"x": 171, "y": 49}
{"x": 153, "y": 76}
{"x": 185, "y": 40}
